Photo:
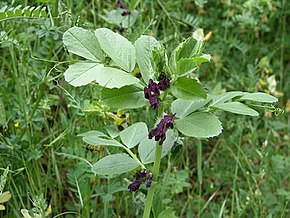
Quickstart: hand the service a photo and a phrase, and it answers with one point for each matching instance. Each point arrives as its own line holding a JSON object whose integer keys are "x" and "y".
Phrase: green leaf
{"x": 144, "y": 47}
{"x": 2, "y": 12}
{"x": 127, "y": 97}
{"x": 159, "y": 60}
{"x": 187, "y": 65}
{"x": 101, "y": 140}
{"x": 188, "y": 89}
{"x": 2, "y": 113}
{"x": 27, "y": 11}
{"x": 115, "y": 164}
{"x": 183, "y": 50}
{"x": 182, "y": 108}
{"x": 201, "y": 58}
{"x": 43, "y": 12}
{"x": 134, "y": 134}
{"x": 186, "y": 50}
{"x": 36, "y": 11}
{"x": 237, "y": 108}
{"x": 18, "y": 10}
{"x": 112, "y": 130}
{"x": 82, "y": 73}
{"x": 92, "y": 133}
{"x": 259, "y": 97}
{"x": 146, "y": 148}
{"x": 26, "y": 214}
{"x": 129, "y": 20}
{"x": 114, "y": 78}
{"x": 5, "y": 196}
{"x": 199, "y": 125}
{"x": 115, "y": 17}
{"x": 198, "y": 48}
{"x": 117, "y": 47}
{"x": 220, "y": 99}
{"x": 83, "y": 43}
{"x": 10, "y": 12}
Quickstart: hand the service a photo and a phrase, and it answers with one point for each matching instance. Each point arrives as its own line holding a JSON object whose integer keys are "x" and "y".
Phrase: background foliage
{"x": 242, "y": 173}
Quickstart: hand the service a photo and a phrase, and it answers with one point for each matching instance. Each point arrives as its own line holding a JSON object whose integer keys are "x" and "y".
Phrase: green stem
{"x": 199, "y": 172}
{"x": 156, "y": 167}
{"x": 282, "y": 43}
{"x": 134, "y": 156}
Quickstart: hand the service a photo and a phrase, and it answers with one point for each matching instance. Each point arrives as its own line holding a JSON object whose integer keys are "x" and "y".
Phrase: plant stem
{"x": 199, "y": 172}
{"x": 156, "y": 167}
{"x": 284, "y": 9}
{"x": 134, "y": 156}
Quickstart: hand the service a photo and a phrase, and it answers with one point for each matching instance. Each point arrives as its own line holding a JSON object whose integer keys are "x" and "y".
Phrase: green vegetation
{"x": 45, "y": 166}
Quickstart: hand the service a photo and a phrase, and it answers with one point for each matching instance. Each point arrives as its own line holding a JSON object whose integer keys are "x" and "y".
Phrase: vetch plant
{"x": 167, "y": 85}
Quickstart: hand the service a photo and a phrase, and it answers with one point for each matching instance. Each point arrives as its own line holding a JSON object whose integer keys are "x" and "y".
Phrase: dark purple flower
{"x": 153, "y": 87}
{"x": 154, "y": 102}
{"x": 121, "y": 4}
{"x": 140, "y": 174}
{"x": 164, "y": 82}
{"x": 139, "y": 177}
{"x": 148, "y": 179}
{"x": 147, "y": 92}
{"x": 119, "y": 29}
{"x": 152, "y": 92}
{"x": 160, "y": 131}
{"x": 134, "y": 186}
{"x": 168, "y": 120}
{"x": 125, "y": 13}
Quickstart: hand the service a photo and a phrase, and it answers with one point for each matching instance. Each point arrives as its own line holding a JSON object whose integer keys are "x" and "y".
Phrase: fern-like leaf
{"x": 187, "y": 19}
{"x": 8, "y": 38}
{"x": 19, "y": 11}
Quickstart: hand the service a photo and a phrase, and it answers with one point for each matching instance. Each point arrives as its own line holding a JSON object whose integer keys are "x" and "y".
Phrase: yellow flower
{"x": 16, "y": 124}
{"x": 207, "y": 36}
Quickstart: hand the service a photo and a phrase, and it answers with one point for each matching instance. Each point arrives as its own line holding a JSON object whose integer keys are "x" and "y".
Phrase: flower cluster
{"x": 139, "y": 178}
{"x": 152, "y": 92}
{"x": 160, "y": 131}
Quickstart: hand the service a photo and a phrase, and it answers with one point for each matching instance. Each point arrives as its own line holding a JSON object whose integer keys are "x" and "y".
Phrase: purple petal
{"x": 147, "y": 92}
{"x": 134, "y": 186}
{"x": 148, "y": 183}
